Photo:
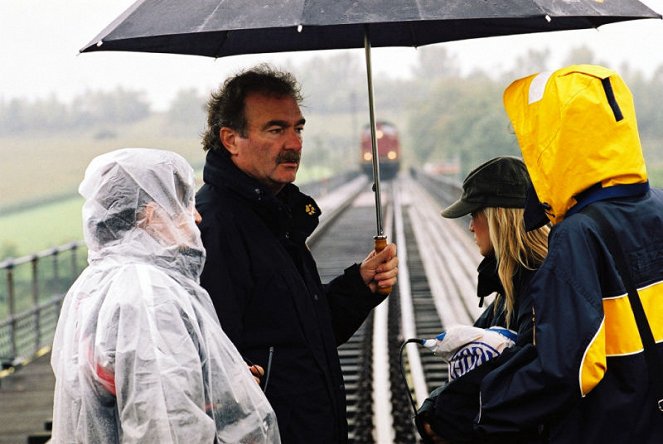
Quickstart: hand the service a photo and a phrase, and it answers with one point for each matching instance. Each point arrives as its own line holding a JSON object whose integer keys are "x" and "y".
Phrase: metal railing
{"x": 31, "y": 292}
{"x": 32, "y": 289}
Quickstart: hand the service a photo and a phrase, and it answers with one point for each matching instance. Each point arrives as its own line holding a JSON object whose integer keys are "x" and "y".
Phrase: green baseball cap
{"x": 500, "y": 182}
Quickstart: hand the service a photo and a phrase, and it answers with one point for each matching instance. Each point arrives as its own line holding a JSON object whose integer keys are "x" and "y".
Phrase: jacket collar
{"x": 489, "y": 281}
{"x": 290, "y": 211}
{"x": 597, "y": 193}
{"x": 221, "y": 172}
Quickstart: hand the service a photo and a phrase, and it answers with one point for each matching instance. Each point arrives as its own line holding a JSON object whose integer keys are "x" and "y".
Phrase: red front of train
{"x": 389, "y": 149}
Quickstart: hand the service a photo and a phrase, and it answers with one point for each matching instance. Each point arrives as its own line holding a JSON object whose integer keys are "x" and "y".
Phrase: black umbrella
{"x": 219, "y": 28}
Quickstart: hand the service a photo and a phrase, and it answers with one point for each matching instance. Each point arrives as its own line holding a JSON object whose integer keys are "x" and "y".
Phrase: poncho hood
{"x": 576, "y": 128}
{"x": 139, "y": 207}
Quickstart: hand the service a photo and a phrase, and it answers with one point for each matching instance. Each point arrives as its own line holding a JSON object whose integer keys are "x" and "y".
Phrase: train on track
{"x": 389, "y": 149}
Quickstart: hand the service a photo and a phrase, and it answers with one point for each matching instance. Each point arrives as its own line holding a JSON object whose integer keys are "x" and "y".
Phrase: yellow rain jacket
{"x": 585, "y": 379}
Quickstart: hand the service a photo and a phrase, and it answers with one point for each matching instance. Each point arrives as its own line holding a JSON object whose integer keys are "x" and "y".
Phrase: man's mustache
{"x": 288, "y": 157}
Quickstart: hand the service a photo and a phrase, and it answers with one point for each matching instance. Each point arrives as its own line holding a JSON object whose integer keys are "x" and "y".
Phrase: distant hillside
{"x": 40, "y": 167}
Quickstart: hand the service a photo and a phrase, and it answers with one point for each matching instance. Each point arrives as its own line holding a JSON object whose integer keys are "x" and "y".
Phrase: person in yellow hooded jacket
{"x": 587, "y": 378}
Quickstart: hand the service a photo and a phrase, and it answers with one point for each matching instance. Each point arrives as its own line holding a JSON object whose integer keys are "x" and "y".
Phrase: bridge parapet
{"x": 31, "y": 292}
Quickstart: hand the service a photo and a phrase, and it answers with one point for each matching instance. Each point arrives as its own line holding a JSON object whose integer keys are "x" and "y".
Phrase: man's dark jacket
{"x": 267, "y": 292}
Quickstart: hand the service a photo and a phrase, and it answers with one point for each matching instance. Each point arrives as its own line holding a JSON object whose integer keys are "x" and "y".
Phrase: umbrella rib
{"x": 413, "y": 33}
{"x": 202, "y": 26}
{"x": 224, "y": 33}
{"x": 222, "y": 41}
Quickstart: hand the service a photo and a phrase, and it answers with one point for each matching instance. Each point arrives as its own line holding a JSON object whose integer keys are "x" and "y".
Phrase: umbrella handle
{"x": 381, "y": 244}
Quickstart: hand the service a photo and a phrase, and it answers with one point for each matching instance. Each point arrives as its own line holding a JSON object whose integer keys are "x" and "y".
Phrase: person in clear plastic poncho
{"x": 139, "y": 354}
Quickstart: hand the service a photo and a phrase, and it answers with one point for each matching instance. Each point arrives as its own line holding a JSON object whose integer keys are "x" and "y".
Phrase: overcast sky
{"x": 40, "y": 39}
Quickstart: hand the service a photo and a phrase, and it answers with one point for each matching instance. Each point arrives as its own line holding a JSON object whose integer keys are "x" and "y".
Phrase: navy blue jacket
{"x": 267, "y": 292}
{"x": 454, "y": 406}
{"x": 586, "y": 379}
{"x": 495, "y": 314}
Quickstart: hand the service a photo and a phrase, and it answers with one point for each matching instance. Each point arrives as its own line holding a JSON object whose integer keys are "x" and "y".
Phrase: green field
{"x": 41, "y": 166}
{"x": 43, "y": 227}
{"x": 40, "y": 173}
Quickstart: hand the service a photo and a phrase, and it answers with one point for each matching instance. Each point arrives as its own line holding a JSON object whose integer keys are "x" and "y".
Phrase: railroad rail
{"x": 436, "y": 289}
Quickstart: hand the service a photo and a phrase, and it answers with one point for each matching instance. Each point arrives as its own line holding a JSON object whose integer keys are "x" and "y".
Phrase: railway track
{"x": 436, "y": 288}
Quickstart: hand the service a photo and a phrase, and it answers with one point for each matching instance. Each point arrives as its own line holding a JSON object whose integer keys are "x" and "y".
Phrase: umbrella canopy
{"x": 219, "y": 28}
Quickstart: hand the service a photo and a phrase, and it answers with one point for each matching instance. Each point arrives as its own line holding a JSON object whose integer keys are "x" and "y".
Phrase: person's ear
{"x": 228, "y": 137}
{"x": 146, "y": 216}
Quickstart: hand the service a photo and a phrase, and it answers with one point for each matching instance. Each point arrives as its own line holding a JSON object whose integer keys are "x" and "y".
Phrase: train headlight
{"x": 392, "y": 155}
{"x": 368, "y": 156}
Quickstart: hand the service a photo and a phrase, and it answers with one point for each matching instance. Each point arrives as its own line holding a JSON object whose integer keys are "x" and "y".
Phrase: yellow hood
{"x": 571, "y": 137}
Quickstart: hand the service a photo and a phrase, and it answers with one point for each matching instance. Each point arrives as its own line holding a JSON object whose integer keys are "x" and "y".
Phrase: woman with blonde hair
{"x": 515, "y": 252}
{"x": 494, "y": 194}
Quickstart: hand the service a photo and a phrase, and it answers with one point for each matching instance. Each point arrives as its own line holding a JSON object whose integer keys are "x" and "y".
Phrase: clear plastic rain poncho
{"x": 139, "y": 355}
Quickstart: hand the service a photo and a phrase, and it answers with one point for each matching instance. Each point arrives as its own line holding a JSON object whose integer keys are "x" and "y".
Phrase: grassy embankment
{"x": 40, "y": 173}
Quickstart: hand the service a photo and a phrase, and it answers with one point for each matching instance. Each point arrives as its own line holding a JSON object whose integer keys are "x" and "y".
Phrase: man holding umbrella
{"x": 260, "y": 273}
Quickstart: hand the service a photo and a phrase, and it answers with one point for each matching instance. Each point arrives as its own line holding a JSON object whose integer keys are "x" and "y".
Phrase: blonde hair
{"x": 514, "y": 248}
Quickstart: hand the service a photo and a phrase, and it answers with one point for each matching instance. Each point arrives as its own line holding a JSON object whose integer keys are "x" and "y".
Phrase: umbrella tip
{"x": 299, "y": 28}
{"x": 99, "y": 43}
{"x": 548, "y": 19}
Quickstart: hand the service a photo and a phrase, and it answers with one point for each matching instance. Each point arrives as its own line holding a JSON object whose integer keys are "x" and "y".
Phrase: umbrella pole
{"x": 380, "y": 238}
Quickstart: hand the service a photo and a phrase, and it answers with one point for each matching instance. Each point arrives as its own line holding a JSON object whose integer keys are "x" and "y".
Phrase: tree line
{"x": 447, "y": 115}
{"x": 464, "y": 117}
{"x": 443, "y": 113}
{"x": 20, "y": 116}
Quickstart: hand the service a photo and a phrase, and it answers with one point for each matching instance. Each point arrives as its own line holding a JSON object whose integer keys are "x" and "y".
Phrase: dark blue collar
{"x": 596, "y": 193}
